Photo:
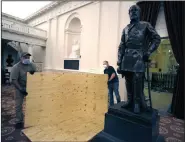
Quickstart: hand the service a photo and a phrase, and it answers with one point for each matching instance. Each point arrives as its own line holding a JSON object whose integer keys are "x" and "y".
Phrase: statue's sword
{"x": 148, "y": 78}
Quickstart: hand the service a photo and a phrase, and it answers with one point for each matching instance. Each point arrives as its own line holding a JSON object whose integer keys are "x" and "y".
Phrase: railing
{"x": 163, "y": 82}
{"x": 15, "y": 26}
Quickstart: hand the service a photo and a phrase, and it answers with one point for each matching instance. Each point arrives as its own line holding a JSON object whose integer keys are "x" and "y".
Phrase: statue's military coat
{"x": 137, "y": 40}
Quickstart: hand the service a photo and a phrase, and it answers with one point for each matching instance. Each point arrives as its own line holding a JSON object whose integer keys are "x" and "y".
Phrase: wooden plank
{"x": 70, "y": 106}
{"x": 80, "y": 132}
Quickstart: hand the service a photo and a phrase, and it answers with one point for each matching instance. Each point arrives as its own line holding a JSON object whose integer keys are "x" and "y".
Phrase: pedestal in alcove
{"x": 72, "y": 64}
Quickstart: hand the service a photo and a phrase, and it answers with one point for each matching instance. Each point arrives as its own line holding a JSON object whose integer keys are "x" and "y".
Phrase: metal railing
{"x": 163, "y": 82}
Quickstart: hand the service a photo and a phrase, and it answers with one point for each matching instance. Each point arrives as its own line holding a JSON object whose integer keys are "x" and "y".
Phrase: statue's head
{"x": 134, "y": 12}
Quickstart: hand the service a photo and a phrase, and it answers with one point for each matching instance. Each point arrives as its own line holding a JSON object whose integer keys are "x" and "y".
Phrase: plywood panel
{"x": 65, "y": 106}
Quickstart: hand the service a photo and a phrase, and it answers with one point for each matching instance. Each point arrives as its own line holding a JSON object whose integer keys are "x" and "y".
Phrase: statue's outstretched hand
{"x": 118, "y": 63}
{"x": 118, "y": 70}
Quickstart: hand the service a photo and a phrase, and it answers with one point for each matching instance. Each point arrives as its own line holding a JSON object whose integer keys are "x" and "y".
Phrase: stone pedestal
{"x": 9, "y": 69}
{"x": 72, "y": 64}
{"x": 122, "y": 125}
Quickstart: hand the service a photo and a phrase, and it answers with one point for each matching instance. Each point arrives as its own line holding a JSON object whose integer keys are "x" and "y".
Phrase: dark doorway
{"x": 7, "y": 50}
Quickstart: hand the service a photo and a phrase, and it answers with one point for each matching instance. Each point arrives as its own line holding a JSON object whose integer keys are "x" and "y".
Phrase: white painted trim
{"x": 21, "y": 23}
{"x": 70, "y": 18}
{"x": 43, "y": 10}
{"x": 12, "y": 17}
{"x": 22, "y": 38}
{"x": 20, "y": 28}
{"x": 25, "y": 34}
{"x": 59, "y": 10}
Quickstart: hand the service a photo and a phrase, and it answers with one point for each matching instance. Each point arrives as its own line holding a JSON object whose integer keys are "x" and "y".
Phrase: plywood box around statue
{"x": 65, "y": 106}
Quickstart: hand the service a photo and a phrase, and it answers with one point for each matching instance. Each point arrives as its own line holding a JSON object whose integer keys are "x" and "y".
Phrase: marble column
{"x": 30, "y": 50}
{"x": 47, "y": 57}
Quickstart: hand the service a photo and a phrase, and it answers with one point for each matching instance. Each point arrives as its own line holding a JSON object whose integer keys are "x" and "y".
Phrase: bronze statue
{"x": 139, "y": 39}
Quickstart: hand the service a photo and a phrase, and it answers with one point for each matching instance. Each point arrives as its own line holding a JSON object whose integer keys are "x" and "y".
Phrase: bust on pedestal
{"x": 9, "y": 62}
{"x": 8, "y": 68}
{"x": 72, "y": 62}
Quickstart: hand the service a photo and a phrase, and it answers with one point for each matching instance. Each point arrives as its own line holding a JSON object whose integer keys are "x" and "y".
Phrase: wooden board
{"x": 65, "y": 106}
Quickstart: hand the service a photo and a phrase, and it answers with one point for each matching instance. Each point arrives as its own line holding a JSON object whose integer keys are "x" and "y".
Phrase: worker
{"x": 18, "y": 78}
{"x": 113, "y": 83}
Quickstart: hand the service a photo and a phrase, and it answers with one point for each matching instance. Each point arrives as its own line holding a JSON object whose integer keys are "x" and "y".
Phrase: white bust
{"x": 75, "y": 53}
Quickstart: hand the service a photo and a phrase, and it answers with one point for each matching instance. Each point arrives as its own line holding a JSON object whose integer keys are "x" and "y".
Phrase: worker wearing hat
{"x": 19, "y": 78}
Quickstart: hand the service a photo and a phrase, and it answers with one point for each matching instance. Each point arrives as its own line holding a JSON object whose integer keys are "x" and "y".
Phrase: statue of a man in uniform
{"x": 139, "y": 39}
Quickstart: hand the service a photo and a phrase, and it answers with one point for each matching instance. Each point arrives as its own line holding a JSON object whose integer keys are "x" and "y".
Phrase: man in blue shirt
{"x": 113, "y": 83}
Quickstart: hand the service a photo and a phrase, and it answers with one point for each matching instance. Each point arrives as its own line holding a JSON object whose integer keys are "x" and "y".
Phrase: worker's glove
{"x": 23, "y": 91}
{"x": 32, "y": 72}
{"x": 146, "y": 57}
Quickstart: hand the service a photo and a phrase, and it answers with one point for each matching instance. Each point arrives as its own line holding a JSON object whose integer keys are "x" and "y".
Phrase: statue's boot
{"x": 129, "y": 87}
{"x": 137, "y": 107}
{"x": 140, "y": 104}
{"x": 144, "y": 105}
{"x": 129, "y": 103}
{"x": 138, "y": 92}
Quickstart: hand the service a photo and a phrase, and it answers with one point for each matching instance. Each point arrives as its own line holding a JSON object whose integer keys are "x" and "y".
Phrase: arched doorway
{"x": 72, "y": 41}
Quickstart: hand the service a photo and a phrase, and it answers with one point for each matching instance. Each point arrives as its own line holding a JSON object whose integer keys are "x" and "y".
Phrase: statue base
{"x": 122, "y": 125}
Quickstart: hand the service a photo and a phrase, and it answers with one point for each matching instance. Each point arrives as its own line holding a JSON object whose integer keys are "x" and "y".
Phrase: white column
{"x": 98, "y": 43}
{"x": 66, "y": 44}
{"x": 48, "y": 54}
{"x": 56, "y": 54}
{"x": 19, "y": 49}
{"x": 30, "y": 50}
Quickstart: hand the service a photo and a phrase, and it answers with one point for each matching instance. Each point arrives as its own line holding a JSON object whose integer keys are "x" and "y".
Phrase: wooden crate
{"x": 65, "y": 106}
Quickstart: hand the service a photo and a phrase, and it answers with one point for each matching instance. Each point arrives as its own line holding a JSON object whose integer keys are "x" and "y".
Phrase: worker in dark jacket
{"x": 139, "y": 39}
{"x": 113, "y": 83}
{"x": 19, "y": 79}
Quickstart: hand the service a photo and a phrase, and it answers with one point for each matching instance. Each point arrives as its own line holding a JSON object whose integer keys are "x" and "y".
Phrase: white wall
{"x": 114, "y": 17}
{"x": 89, "y": 38}
{"x": 109, "y": 23}
{"x": 102, "y": 25}
{"x": 43, "y": 26}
